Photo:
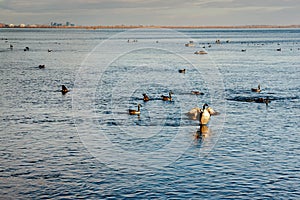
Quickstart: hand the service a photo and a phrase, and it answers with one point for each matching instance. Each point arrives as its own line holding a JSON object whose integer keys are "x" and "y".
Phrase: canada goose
{"x": 262, "y": 100}
{"x": 200, "y": 52}
{"x": 197, "y": 93}
{"x": 190, "y": 44}
{"x": 146, "y": 98}
{"x": 135, "y": 112}
{"x": 181, "y": 71}
{"x": 64, "y": 89}
{"x": 41, "y": 66}
{"x": 167, "y": 98}
{"x": 204, "y": 115}
{"x": 256, "y": 89}
{"x": 194, "y": 113}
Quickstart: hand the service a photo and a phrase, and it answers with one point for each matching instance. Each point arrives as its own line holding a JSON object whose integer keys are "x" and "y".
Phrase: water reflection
{"x": 201, "y": 134}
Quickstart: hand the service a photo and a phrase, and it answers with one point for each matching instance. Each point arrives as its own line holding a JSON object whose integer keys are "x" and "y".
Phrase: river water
{"x": 84, "y": 144}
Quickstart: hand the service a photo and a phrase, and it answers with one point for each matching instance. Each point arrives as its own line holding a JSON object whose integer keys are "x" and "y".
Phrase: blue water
{"x": 85, "y": 145}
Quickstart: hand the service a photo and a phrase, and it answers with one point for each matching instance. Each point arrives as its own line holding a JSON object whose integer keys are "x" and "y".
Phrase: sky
{"x": 152, "y": 12}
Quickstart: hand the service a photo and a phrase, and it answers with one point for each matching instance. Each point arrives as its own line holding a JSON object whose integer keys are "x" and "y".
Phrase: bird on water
{"x": 146, "y": 98}
{"x": 167, "y": 98}
{"x": 64, "y": 89}
{"x": 204, "y": 115}
{"x": 256, "y": 89}
{"x": 135, "y": 112}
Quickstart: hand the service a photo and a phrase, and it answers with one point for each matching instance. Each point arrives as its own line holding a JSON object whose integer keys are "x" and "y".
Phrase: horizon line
{"x": 146, "y": 26}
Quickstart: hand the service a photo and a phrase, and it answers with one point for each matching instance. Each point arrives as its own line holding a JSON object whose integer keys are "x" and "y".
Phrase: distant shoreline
{"x": 155, "y": 27}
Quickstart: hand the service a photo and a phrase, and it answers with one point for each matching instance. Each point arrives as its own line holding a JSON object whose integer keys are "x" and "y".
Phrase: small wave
{"x": 256, "y": 99}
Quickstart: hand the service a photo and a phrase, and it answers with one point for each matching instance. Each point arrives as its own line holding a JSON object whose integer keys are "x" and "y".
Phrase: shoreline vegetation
{"x": 152, "y": 27}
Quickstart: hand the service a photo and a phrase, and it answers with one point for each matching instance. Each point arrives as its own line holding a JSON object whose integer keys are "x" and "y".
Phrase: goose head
{"x": 204, "y": 105}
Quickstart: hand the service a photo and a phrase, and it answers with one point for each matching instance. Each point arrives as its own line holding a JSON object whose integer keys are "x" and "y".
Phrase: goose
{"x": 197, "y": 93}
{"x": 181, "y": 71}
{"x": 146, "y": 98}
{"x": 256, "y": 89}
{"x": 204, "y": 115}
{"x": 200, "y": 52}
{"x": 262, "y": 100}
{"x": 167, "y": 98}
{"x": 41, "y": 66}
{"x": 64, "y": 89}
{"x": 135, "y": 112}
{"x": 194, "y": 113}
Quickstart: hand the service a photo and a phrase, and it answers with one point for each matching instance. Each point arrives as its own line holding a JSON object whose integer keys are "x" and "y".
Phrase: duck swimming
{"x": 197, "y": 93}
{"x": 42, "y": 66}
{"x": 64, "y": 89}
{"x": 262, "y": 100}
{"x": 256, "y": 89}
{"x": 200, "y": 52}
{"x": 167, "y": 98}
{"x": 181, "y": 71}
{"x": 135, "y": 112}
{"x": 146, "y": 98}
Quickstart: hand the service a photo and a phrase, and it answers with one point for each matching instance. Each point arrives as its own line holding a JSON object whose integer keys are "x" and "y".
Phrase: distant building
{"x": 61, "y": 24}
{"x": 56, "y": 24}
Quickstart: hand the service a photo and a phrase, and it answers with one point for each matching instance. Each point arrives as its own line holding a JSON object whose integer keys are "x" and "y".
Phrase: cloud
{"x": 237, "y": 4}
{"x": 53, "y": 5}
{"x": 216, "y": 12}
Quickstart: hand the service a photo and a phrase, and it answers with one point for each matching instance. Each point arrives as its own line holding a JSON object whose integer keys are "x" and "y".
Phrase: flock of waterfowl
{"x": 64, "y": 89}
{"x": 255, "y": 99}
{"x": 201, "y": 114}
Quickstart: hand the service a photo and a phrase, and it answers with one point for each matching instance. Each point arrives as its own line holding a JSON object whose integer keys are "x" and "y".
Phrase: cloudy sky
{"x": 151, "y": 12}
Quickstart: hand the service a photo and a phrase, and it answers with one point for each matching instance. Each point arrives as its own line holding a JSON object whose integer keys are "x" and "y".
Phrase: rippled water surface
{"x": 84, "y": 144}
